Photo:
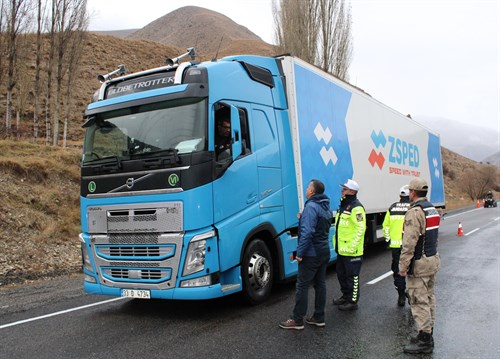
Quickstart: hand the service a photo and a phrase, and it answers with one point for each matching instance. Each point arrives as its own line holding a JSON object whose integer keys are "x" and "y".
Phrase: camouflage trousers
{"x": 422, "y": 301}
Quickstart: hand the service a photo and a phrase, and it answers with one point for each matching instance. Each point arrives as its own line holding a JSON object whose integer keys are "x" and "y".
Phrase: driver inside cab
{"x": 223, "y": 133}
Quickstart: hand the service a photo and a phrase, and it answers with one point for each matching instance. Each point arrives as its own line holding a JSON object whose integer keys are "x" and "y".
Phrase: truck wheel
{"x": 257, "y": 272}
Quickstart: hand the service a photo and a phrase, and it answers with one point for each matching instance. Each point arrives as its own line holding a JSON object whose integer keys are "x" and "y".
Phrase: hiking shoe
{"x": 314, "y": 321}
{"x": 422, "y": 344}
{"x": 291, "y": 324}
{"x": 348, "y": 306}
{"x": 339, "y": 301}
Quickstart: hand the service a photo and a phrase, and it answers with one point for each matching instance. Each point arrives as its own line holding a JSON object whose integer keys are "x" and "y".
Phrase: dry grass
{"x": 40, "y": 212}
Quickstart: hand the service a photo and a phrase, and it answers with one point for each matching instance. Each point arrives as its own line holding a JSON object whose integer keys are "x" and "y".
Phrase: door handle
{"x": 252, "y": 198}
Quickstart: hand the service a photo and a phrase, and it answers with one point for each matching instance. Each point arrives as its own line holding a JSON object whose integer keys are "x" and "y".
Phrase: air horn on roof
{"x": 191, "y": 52}
{"x": 119, "y": 71}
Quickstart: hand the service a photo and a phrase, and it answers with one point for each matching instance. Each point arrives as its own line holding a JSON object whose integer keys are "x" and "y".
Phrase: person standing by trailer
{"x": 313, "y": 254}
{"x": 420, "y": 262}
{"x": 393, "y": 233}
{"x": 350, "y": 223}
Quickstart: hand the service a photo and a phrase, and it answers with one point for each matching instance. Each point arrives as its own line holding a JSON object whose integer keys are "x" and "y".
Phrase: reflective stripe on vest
{"x": 397, "y": 213}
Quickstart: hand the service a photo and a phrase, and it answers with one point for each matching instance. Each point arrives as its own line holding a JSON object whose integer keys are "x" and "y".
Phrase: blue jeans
{"x": 312, "y": 270}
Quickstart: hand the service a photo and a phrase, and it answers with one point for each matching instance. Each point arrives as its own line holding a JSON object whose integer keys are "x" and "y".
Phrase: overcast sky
{"x": 429, "y": 58}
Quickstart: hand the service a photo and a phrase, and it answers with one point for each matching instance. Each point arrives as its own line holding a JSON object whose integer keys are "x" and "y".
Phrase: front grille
{"x": 125, "y": 252}
{"x": 118, "y": 274}
{"x": 133, "y": 238}
{"x": 134, "y": 251}
{"x": 162, "y": 217}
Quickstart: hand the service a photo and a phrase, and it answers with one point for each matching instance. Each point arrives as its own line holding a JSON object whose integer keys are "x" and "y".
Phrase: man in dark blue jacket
{"x": 313, "y": 254}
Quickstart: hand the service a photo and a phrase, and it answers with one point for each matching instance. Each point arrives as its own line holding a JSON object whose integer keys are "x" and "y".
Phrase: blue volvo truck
{"x": 165, "y": 214}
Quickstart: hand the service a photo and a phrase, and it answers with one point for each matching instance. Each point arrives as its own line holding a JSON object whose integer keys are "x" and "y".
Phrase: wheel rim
{"x": 259, "y": 271}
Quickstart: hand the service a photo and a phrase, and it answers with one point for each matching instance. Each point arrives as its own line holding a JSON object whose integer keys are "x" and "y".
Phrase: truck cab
{"x": 165, "y": 214}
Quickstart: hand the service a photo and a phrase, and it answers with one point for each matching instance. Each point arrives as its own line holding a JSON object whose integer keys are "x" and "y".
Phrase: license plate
{"x": 136, "y": 293}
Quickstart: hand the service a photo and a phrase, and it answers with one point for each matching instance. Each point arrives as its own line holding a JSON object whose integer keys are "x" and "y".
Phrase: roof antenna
{"x": 218, "y": 48}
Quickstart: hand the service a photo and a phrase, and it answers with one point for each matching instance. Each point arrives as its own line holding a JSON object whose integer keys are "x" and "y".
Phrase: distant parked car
{"x": 489, "y": 200}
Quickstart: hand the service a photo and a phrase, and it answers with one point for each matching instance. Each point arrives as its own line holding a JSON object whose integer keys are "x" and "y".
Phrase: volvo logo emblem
{"x": 130, "y": 183}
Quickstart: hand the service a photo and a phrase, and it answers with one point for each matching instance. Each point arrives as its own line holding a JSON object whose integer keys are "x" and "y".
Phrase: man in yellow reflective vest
{"x": 350, "y": 223}
{"x": 393, "y": 233}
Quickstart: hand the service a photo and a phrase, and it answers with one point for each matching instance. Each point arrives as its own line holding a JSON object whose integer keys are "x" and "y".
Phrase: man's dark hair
{"x": 319, "y": 187}
{"x": 421, "y": 193}
{"x": 223, "y": 114}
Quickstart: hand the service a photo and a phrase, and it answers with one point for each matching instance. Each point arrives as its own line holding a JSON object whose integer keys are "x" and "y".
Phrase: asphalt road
{"x": 55, "y": 319}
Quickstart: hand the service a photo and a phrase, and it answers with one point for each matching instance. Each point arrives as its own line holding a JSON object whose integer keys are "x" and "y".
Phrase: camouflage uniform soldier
{"x": 420, "y": 262}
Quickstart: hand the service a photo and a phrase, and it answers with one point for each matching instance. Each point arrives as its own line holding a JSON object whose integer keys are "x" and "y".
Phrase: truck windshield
{"x": 150, "y": 130}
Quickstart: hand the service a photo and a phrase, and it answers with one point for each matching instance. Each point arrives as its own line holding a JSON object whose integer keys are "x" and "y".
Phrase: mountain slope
{"x": 493, "y": 159}
{"x": 191, "y": 26}
{"x": 474, "y": 142}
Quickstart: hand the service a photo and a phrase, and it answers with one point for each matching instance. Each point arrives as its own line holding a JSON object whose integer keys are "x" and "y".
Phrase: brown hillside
{"x": 101, "y": 54}
{"x": 192, "y": 26}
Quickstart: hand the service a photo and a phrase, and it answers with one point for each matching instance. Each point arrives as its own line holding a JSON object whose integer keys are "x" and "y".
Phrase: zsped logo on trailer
{"x": 397, "y": 151}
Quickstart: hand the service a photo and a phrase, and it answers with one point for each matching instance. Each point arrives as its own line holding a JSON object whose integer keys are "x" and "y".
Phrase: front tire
{"x": 257, "y": 272}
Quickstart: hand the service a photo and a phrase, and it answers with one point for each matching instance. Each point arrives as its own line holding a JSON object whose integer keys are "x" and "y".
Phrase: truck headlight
{"x": 195, "y": 257}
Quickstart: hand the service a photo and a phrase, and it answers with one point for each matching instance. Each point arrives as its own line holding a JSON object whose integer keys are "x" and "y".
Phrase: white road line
{"x": 496, "y": 219}
{"x": 378, "y": 279}
{"x": 61, "y": 312}
{"x": 474, "y": 230}
{"x": 458, "y": 214}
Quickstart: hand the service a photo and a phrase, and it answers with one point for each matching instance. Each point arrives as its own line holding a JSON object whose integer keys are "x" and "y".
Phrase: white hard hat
{"x": 404, "y": 191}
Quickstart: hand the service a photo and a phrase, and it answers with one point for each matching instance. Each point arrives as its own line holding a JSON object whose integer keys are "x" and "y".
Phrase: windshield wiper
{"x": 159, "y": 153}
{"x": 108, "y": 166}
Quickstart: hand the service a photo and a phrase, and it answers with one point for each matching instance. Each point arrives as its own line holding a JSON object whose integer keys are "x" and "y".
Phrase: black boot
{"x": 423, "y": 343}
{"x": 401, "y": 297}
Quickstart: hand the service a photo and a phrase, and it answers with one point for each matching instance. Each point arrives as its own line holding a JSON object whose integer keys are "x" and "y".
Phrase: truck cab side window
{"x": 245, "y": 135}
{"x": 223, "y": 139}
{"x": 223, "y": 133}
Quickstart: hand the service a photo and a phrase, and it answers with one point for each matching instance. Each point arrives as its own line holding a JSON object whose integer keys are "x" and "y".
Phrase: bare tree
{"x": 50, "y": 67}
{"x": 71, "y": 18}
{"x": 477, "y": 181}
{"x": 297, "y": 27}
{"x": 23, "y": 83}
{"x": 74, "y": 57}
{"x": 38, "y": 57}
{"x": 336, "y": 47}
{"x": 317, "y": 31}
{"x": 2, "y": 31}
{"x": 16, "y": 20}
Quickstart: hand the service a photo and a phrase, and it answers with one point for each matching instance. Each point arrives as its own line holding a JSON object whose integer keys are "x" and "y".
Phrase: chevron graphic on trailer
{"x": 322, "y": 134}
{"x": 377, "y": 158}
{"x": 435, "y": 162}
{"x": 378, "y": 140}
{"x": 326, "y": 135}
{"x": 328, "y": 155}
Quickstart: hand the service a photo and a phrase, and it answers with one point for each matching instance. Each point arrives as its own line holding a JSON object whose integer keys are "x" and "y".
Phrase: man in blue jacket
{"x": 313, "y": 254}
